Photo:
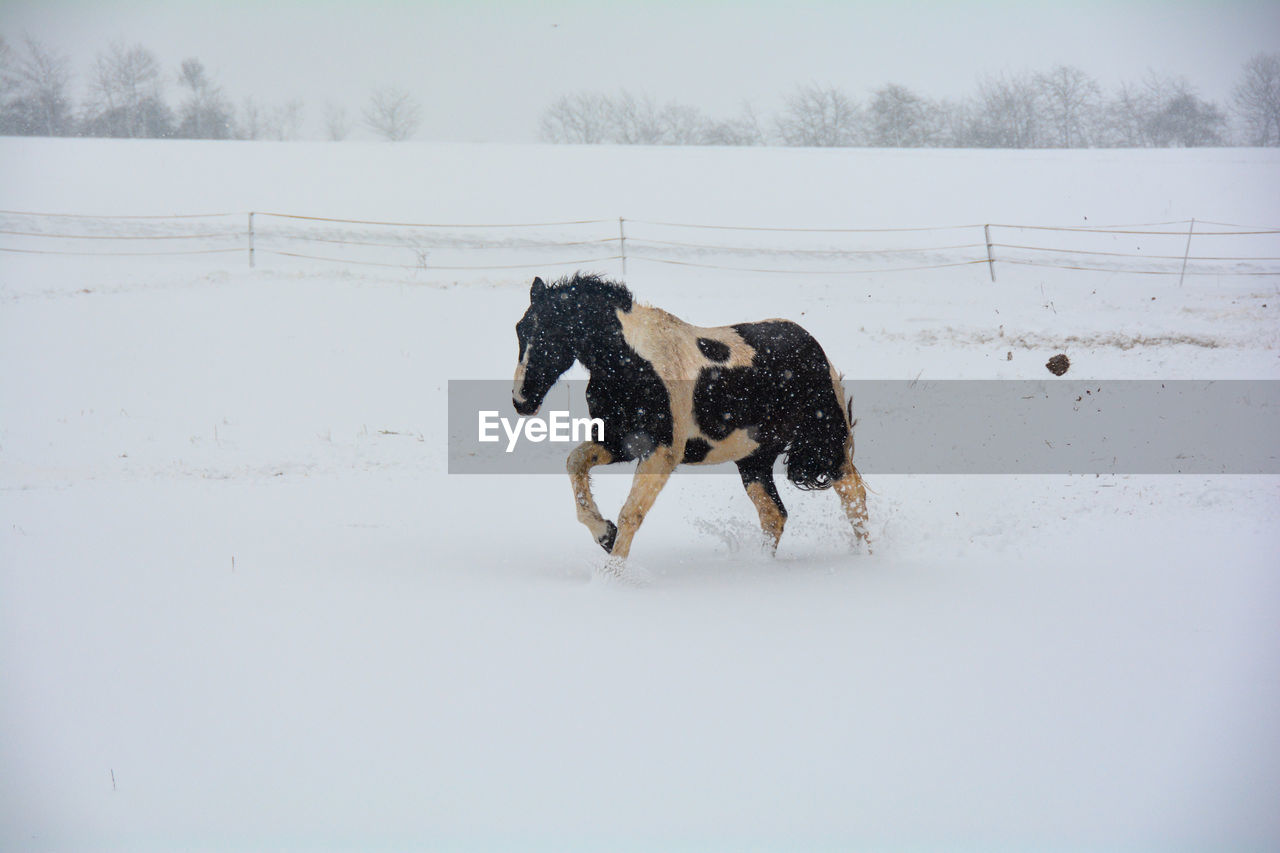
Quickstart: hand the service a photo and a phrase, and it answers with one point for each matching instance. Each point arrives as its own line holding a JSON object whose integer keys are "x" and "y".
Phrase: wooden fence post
{"x": 991, "y": 260}
{"x": 1186, "y": 252}
{"x": 622, "y": 245}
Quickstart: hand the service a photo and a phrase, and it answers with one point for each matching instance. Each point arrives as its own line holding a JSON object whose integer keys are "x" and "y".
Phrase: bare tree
{"x": 1157, "y": 91}
{"x": 1257, "y": 98}
{"x": 630, "y": 119}
{"x": 743, "y": 129}
{"x": 10, "y": 113}
{"x": 1007, "y": 114}
{"x": 636, "y": 120}
{"x": 1123, "y": 120}
{"x": 639, "y": 120}
{"x": 336, "y": 122}
{"x": 126, "y": 96}
{"x": 284, "y": 121}
{"x": 953, "y": 123}
{"x": 1173, "y": 115}
{"x": 1186, "y": 121}
{"x": 682, "y": 124}
{"x": 250, "y": 122}
{"x": 205, "y": 114}
{"x": 392, "y": 113}
{"x": 819, "y": 116}
{"x": 899, "y": 118}
{"x": 33, "y": 88}
{"x": 582, "y": 118}
{"x": 1071, "y": 102}
{"x": 8, "y": 70}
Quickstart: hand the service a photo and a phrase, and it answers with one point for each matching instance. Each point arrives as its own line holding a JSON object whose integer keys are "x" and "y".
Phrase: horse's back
{"x": 761, "y": 388}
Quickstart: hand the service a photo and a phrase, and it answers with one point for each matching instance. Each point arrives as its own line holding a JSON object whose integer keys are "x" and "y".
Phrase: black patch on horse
{"x": 695, "y": 450}
{"x": 785, "y": 398}
{"x": 635, "y": 408}
{"x": 577, "y": 318}
{"x": 714, "y": 350}
{"x": 730, "y": 398}
{"x": 758, "y": 468}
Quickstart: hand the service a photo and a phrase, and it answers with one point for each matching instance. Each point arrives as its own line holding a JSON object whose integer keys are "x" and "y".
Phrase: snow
{"x": 243, "y": 605}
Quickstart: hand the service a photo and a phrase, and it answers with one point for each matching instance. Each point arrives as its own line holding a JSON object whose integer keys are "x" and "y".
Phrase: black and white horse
{"x": 669, "y": 392}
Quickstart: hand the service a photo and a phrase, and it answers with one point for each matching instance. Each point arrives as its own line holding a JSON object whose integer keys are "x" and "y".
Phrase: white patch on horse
{"x": 731, "y": 448}
{"x": 671, "y": 346}
{"x": 517, "y": 387}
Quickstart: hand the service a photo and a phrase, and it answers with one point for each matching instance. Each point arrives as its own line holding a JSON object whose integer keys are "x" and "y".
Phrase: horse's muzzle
{"x": 528, "y": 407}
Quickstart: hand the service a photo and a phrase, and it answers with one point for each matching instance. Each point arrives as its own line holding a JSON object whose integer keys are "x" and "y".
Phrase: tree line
{"x": 1062, "y": 107}
{"x": 127, "y": 96}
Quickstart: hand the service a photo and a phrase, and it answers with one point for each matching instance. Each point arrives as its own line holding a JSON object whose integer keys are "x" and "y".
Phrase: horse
{"x": 669, "y": 393}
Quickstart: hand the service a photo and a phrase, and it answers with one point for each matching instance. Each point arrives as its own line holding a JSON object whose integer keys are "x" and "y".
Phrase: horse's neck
{"x": 661, "y": 339}
{"x": 602, "y": 349}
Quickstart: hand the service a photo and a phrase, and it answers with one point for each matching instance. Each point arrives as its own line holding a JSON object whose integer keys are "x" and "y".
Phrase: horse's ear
{"x": 538, "y": 290}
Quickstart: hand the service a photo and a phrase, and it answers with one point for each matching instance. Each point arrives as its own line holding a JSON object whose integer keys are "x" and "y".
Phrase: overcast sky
{"x": 486, "y": 70}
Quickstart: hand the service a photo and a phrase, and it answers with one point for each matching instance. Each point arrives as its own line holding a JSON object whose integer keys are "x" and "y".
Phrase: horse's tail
{"x": 823, "y": 436}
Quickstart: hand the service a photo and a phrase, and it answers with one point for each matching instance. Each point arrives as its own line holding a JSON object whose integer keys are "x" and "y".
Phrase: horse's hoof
{"x": 606, "y": 541}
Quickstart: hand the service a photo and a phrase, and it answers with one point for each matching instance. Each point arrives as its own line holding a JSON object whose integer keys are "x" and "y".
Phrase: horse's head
{"x": 545, "y": 349}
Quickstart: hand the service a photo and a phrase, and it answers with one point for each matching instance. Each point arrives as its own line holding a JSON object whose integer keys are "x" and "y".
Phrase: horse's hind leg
{"x": 581, "y": 460}
{"x": 853, "y": 497}
{"x": 757, "y": 478}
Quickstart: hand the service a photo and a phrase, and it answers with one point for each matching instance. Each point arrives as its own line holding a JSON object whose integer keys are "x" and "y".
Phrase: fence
{"x": 1158, "y": 249}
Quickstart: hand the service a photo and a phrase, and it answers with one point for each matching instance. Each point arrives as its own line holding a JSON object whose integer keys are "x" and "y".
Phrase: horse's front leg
{"x": 651, "y": 476}
{"x": 581, "y": 460}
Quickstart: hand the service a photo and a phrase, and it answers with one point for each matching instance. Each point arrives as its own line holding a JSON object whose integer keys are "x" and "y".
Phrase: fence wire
{"x": 433, "y": 266}
{"x": 433, "y": 224}
{"x": 1156, "y": 248}
{"x": 119, "y": 254}
{"x": 847, "y": 271}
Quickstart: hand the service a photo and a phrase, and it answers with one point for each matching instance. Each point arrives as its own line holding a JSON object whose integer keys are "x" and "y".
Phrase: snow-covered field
{"x": 243, "y": 605}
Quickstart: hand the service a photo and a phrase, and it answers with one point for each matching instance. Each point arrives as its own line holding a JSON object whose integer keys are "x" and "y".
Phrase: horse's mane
{"x": 590, "y": 285}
